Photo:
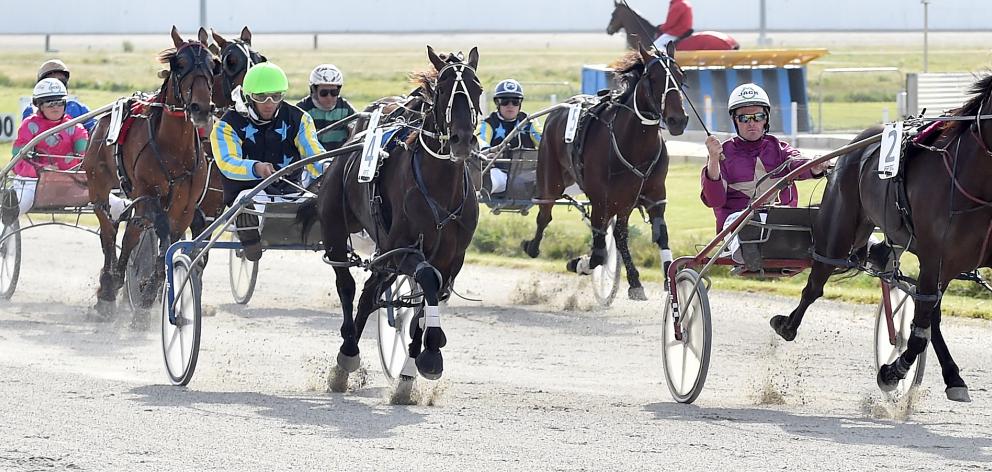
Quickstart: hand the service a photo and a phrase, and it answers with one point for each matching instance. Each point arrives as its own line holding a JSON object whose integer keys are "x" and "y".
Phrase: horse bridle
{"x": 442, "y": 128}
{"x": 200, "y": 62}
{"x": 251, "y": 58}
{"x": 670, "y": 84}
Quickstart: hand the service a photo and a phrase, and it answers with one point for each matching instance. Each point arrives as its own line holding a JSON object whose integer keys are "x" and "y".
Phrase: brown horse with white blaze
{"x": 161, "y": 161}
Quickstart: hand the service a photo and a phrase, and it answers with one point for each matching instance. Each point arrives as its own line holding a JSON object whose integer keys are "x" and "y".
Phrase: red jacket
{"x": 679, "y": 20}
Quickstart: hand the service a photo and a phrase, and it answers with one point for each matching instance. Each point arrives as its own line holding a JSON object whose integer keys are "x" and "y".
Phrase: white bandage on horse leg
{"x": 409, "y": 367}
{"x": 432, "y": 317}
{"x": 666, "y": 256}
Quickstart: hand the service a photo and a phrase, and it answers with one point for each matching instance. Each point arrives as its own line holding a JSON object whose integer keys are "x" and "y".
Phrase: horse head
{"x": 189, "y": 85}
{"x": 664, "y": 79}
{"x": 236, "y": 56}
{"x": 456, "y": 101}
{"x": 620, "y": 10}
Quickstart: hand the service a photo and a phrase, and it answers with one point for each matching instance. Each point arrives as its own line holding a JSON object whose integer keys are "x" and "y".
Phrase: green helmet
{"x": 265, "y": 77}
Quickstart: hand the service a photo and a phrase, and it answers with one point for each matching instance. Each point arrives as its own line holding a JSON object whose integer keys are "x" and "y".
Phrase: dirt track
{"x": 551, "y": 385}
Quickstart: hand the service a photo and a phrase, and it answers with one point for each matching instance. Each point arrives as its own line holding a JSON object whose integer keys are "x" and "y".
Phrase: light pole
{"x": 762, "y": 25}
{"x": 203, "y": 13}
{"x": 926, "y": 28}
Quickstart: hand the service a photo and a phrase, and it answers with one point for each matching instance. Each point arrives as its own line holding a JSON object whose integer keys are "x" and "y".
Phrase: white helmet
{"x": 326, "y": 74}
{"x": 48, "y": 89}
{"x": 747, "y": 95}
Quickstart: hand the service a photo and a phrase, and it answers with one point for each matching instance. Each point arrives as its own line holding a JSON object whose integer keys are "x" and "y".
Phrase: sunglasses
{"x": 274, "y": 97}
{"x": 747, "y": 118}
{"x": 329, "y": 92}
{"x": 509, "y": 102}
{"x": 53, "y": 104}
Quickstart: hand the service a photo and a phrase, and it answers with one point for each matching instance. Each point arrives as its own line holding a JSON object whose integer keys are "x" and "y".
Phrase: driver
{"x": 260, "y": 135}
{"x": 508, "y": 97}
{"x": 734, "y": 167}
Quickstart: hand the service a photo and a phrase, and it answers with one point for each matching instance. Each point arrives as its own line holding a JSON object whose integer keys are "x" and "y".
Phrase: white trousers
{"x": 662, "y": 42}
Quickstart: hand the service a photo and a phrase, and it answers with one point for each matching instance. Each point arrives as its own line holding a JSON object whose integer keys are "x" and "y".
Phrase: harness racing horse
{"x": 622, "y": 163}
{"x": 945, "y": 186}
{"x": 161, "y": 161}
{"x": 421, "y": 211}
{"x": 236, "y": 56}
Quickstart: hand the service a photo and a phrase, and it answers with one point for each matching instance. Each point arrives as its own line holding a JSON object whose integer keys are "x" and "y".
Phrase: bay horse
{"x": 236, "y": 56}
{"x": 946, "y": 184}
{"x": 421, "y": 211}
{"x": 623, "y": 162}
{"x": 162, "y": 161}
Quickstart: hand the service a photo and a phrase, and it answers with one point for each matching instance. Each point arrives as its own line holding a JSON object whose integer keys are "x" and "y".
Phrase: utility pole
{"x": 203, "y": 13}
{"x": 762, "y": 25}
{"x": 926, "y": 31}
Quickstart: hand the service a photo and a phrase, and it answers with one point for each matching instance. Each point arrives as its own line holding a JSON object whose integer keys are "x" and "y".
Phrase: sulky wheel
{"x": 10, "y": 259}
{"x": 402, "y": 301}
{"x": 243, "y": 274}
{"x": 886, "y": 351}
{"x": 606, "y": 277}
{"x": 140, "y": 271}
{"x": 687, "y": 361}
{"x": 181, "y": 339}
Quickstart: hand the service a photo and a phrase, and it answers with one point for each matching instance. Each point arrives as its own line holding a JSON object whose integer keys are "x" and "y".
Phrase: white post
{"x": 708, "y": 111}
{"x": 762, "y": 25}
{"x": 484, "y": 104}
{"x": 203, "y": 13}
{"x": 554, "y": 99}
{"x": 885, "y": 114}
{"x": 794, "y": 121}
{"x": 901, "y": 104}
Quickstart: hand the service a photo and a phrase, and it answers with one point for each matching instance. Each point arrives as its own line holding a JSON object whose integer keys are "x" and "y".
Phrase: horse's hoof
{"x": 636, "y": 293}
{"x": 430, "y": 364}
{"x": 530, "y": 249}
{"x": 103, "y": 312}
{"x": 958, "y": 394}
{"x": 349, "y": 363}
{"x": 779, "y": 324}
{"x": 887, "y": 378}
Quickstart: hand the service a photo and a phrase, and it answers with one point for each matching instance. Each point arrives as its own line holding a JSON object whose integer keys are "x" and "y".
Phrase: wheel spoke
{"x": 682, "y": 382}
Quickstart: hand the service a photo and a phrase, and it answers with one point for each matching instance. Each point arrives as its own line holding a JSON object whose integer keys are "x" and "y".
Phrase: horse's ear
{"x": 246, "y": 35}
{"x": 214, "y": 49}
{"x": 435, "y": 60}
{"x": 473, "y": 58}
{"x": 221, "y": 42}
{"x": 645, "y": 55}
{"x": 203, "y": 36}
{"x": 670, "y": 49}
{"x": 176, "y": 39}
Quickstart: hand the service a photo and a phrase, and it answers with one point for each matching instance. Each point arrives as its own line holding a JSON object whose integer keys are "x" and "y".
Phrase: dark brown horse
{"x": 642, "y": 32}
{"x": 162, "y": 161}
{"x": 236, "y": 56}
{"x": 421, "y": 210}
{"x": 948, "y": 190}
{"x": 623, "y": 161}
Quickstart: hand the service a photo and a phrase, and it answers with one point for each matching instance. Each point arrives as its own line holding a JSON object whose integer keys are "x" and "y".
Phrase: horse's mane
{"x": 629, "y": 68}
{"x": 166, "y": 55}
{"x": 980, "y": 91}
{"x": 427, "y": 78}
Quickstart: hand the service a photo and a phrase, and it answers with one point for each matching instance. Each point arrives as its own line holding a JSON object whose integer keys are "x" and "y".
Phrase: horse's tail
{"x": 306, "y": 216}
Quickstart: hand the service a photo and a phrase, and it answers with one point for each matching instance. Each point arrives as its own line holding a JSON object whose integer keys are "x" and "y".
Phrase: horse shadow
{"x": 350, "y": 418}
{"x": 838, "y": 429}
